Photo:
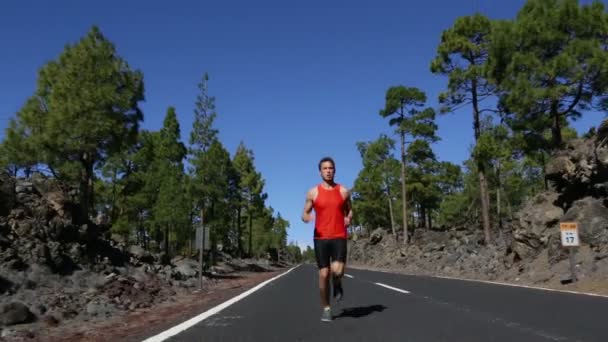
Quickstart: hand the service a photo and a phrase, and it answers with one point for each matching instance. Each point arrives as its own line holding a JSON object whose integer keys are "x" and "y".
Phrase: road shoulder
{"x": 140, "y": 324}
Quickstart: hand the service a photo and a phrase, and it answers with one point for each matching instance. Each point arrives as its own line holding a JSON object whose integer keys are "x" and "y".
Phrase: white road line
{"x": 393, "y": 288}
{"x": 489, "y": 282}
{"x": 189, "y": 323}
{"x": 521, "y": 285}
{"x": 348, "y": 275}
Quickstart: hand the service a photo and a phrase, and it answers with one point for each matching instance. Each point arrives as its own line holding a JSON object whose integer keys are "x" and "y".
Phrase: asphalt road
{"x": 389, "y": 307}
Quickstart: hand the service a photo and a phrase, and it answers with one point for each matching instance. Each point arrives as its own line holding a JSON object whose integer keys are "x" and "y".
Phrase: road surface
{"x": 386, "y": 307}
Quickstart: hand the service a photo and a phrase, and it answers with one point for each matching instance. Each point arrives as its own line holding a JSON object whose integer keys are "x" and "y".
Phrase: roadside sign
{"x": 202, "y": 238}
{"x": 569, "y": 232}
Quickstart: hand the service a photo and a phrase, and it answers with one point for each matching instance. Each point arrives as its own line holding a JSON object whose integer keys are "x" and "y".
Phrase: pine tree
{"x": 85, "y": 109}
{"x": 463, "y": 55}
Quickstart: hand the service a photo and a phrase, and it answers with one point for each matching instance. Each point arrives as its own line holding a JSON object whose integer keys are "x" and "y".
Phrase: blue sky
{"x": 294, "y": 81}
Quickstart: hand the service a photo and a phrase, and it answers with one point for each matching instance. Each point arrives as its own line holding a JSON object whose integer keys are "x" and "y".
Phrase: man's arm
{"x": 306, "y": 214}
{"x": 348, "y": 208}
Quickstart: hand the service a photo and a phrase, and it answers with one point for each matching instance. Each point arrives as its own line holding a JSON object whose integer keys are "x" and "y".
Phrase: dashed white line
{"x": 522, "y": 286}
{"x": 532, "y": 287}
{"x": 189, "y": 323}
{"x": 348, "y": 275}
{"x": 393, "y": 288}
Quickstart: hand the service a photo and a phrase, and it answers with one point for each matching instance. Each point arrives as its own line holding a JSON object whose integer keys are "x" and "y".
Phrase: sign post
{"x": 570, "y": 240}
{"x": 202, "y": 244}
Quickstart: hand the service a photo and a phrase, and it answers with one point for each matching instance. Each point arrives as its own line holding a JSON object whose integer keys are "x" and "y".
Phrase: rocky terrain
{"x": 54, "y": 271}
{"x": 527, "y": 250}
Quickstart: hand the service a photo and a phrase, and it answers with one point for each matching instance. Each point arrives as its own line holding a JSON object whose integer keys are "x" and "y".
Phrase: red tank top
{"x": 329, "y": 212}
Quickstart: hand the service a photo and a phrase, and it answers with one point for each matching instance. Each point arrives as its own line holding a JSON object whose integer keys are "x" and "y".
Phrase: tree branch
{"x": 489, "y": 110}
{"x": 576, "y": 99}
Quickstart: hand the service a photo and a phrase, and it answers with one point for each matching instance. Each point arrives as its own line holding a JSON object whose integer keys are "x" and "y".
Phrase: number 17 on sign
{"x": 569, "y": 233}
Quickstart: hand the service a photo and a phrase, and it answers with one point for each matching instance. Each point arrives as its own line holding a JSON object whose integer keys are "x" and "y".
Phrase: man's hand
{"x": 348, "y": 208}
{"x": 347, "y": 221}
{"x": 307, "y": 217}
{"x": 307, "y": 212}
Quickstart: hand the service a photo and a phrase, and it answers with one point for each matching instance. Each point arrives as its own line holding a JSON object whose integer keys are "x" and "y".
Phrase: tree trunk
{"x": 113, "y": 212}
{"x": 425, "y": 224}
{"x": 91, "y": 190}
{"x": 250, "y": 231}
{"x": 234, "y": 230}
{"x": 157, "y": 238}
{"x": 390, "y": 203}
{"x": 485, "y": 205}
{"x": 403, "y": 190}
{"x": 202, "y": 216}
{"x": 213, "y": 251}
{"x": 190, "y": 230}
{"x": 201, "y": 248}
{"x": 141, "y": 238}
{"x": 556, "y": 130}
{"x": 167, "y": 238}
{"x": 392, "y": 216}
{"x": 212, "y": 235}
{"x": 498, "y": 208}
{"x": 483, "y": 184}
{"x": 544, "y": 162}
{"x": 144, "y": 235}
{"x": 239, "y": 233}
{"x": 510, "y": 209}
{"x": 86, "y": 186}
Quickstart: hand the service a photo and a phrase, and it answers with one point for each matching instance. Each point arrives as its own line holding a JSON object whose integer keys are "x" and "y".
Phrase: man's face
{"x": 327, "y": 171}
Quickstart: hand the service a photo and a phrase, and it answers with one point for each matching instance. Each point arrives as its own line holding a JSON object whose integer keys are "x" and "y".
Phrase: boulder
{"x": 376, "y": 236}
{"x": 15, "y": 313}
{"x": 7, "y": 194}
{"x": 536, "y": 222}
{"x": 592, "y": 218}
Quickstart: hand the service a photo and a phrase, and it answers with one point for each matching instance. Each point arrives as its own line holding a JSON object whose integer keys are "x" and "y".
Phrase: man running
{"x": 333, "y": 211}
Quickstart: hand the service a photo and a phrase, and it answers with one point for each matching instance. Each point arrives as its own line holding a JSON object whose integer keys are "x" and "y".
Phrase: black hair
{"x": 327, "y": 159}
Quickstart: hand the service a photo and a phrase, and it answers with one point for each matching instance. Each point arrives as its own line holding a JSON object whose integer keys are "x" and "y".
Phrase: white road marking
{"x": 393, "y": 288}
{"x": 489, "y": 282}
{"x": 348, "y": 275}
{"x": 520, "y": 285}
{"x": 189, "y": 323}
{"x": 220, "y": 321}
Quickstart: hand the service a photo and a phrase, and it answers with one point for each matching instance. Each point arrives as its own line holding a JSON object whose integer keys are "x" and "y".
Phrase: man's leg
{"x": 324, "y": 286}
{"x": 338, "y": 267}
{"x": 322, "y": 256}
{"x": 337, "y": 270}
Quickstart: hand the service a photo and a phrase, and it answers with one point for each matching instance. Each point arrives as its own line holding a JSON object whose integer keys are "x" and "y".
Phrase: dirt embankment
{"x": 526, "y": 250}
{"x": 65, "y": 276}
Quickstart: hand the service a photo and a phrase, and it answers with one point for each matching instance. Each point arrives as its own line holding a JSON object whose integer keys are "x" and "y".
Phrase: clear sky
{"x": 294, "y": 81}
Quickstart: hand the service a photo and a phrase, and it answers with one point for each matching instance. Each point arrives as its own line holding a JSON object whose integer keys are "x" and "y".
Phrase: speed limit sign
{"x": 569, "y": 232}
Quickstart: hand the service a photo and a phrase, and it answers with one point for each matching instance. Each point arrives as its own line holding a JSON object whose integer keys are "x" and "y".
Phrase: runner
{"x": 333, "y": 211}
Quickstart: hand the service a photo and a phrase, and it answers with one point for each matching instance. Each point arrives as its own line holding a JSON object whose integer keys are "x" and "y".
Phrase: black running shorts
{"x": 330, "y": 250}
